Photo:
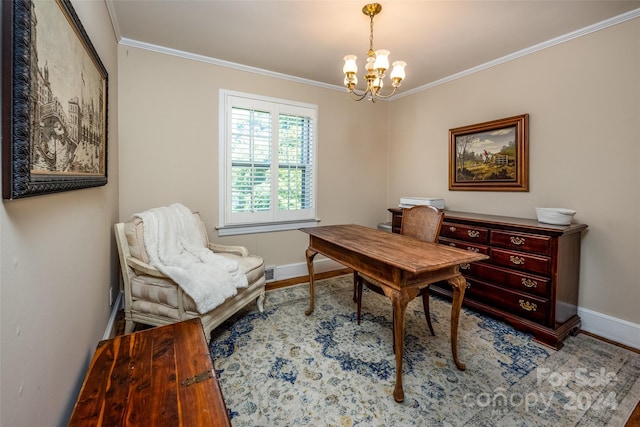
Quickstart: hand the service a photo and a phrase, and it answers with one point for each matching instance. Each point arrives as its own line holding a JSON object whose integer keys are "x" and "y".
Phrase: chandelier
{"x": 376, "y": 66}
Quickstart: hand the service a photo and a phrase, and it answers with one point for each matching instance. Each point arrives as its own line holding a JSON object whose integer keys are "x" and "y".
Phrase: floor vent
{"x": 270, "y": 273}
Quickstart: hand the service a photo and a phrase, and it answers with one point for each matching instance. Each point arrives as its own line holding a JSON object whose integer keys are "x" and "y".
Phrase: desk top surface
{"x": 404, "y": 252}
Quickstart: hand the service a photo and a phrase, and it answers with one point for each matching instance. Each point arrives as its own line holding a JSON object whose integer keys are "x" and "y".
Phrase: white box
{"x": 407, "y": 202}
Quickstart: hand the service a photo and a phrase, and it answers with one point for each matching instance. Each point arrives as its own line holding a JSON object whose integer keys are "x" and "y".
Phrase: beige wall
{"x": 169, "y": 145}
{"x": 583, "y": 98}
{"x": 58, "y": 263}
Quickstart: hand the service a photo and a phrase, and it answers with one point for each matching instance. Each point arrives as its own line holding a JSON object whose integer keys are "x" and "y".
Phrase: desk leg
{"x": 459, "y": 285}
{"x": 399, "y": 300}
{"x": 310, "y": 254}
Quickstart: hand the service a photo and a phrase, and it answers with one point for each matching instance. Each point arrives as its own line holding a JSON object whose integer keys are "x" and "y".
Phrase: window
{"x": 267, "y": 164}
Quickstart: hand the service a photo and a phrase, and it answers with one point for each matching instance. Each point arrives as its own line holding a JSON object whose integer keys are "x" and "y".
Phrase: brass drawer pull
{"x": 473, "y": 233}
{"x": 465, "y": 266}
{"x": 470, "y": 249}
{"x": 518, "y": 260}
{"x": 529, "y": 283}
{"x": 452, "y": 229}
{"x": 517, "y": 240}
{"x": 529, "y": 306}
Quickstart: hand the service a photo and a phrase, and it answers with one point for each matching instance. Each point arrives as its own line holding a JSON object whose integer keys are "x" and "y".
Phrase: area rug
{"x": 283, "y": 368}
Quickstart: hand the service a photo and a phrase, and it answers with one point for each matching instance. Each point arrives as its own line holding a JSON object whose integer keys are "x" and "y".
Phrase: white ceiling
{"x": 307, "y": 39}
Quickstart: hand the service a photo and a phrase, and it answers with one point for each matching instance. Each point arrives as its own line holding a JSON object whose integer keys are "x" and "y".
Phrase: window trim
{"x": 225, "y": 229}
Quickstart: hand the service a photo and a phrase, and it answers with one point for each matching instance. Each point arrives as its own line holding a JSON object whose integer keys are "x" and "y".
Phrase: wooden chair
{"x": 419, "y": 222}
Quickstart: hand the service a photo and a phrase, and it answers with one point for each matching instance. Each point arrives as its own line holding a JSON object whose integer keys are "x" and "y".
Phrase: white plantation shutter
{"x": 295, "y": 162}
{"x": 269, "y": 149}
{"x": 250, "y": 160}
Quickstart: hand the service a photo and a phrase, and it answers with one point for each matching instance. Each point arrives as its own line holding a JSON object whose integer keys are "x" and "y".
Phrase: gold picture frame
{"x": 490, "y": 156}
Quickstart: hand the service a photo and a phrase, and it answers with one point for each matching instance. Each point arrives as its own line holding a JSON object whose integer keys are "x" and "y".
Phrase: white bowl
{"x": 556, "y": 216}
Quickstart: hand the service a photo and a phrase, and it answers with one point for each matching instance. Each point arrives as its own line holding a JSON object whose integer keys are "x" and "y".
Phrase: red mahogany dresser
{"x": 531, "y": 279}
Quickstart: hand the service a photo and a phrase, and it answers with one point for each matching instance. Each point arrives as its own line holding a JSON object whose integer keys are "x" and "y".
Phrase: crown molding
{"x": 240, "y": 67}
{"x": 223, "y": 63}
{"x": 632, "y": 14}
{"x": 114, "y": 22}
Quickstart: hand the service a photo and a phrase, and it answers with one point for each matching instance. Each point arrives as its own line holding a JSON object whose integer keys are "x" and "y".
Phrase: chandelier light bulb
{"x": 398, "y": 70}
{"x": 350, "y": 65}
{"x": 369, "y": 66}
{"x": 351, "y": 81}
{"x": 382, "y": 60}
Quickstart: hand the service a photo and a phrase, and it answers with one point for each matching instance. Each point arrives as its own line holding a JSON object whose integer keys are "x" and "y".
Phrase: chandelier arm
{"x": 386, "y": 96}
{"x": 358, "y": 96}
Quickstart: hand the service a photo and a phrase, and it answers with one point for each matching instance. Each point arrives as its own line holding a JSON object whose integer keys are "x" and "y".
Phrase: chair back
{"x": 422, "y": 223}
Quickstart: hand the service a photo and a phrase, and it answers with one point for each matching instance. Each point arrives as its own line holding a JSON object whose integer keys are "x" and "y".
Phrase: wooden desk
{"x": 401, "y": 264}
{"x": 158, "y": 377}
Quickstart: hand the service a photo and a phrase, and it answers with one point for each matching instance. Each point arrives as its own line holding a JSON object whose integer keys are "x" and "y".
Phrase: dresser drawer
{"x": 467, "y": 233}
{"x": 521, "y": 242}
{"x": 508, "y": 278}
{"x": 524, "y": 305}
{"x": 480, "y": 249}
{"x": 521, "y": 261}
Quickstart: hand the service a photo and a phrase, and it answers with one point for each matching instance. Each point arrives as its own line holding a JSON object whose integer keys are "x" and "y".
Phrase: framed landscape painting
{"x": 54, "y": 91}
{"x": 490, "y": 156}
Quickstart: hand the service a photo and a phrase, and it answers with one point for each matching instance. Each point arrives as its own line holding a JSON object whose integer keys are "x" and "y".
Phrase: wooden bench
{"x": 161, "y": 376}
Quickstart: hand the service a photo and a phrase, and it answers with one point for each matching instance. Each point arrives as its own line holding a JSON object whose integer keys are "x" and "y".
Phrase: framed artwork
{"x": 54, "y": 101}
{"x": 491, "y": 156}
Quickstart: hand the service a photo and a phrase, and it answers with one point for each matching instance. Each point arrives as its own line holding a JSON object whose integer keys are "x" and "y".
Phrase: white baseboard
{"x": 320, "y": 265}
{"x": 611, "y": 328}
{"x": 108, "y": 332}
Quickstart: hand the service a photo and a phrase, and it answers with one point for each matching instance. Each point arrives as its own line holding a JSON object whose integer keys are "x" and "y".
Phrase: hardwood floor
{"x": 634, "y": 420}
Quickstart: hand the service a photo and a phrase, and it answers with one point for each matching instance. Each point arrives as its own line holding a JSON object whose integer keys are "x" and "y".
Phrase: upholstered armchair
{"x": 152, "y": 298}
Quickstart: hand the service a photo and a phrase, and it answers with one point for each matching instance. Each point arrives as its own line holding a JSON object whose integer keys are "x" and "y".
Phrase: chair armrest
{"x": 143, "y": 267}
{"x": 238, "y": 250}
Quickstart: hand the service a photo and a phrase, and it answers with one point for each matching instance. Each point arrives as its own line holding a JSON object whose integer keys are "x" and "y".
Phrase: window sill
{"x": 231, "y": 230}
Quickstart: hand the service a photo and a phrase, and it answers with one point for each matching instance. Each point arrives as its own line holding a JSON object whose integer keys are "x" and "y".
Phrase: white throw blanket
{"x": 175, "y": 246}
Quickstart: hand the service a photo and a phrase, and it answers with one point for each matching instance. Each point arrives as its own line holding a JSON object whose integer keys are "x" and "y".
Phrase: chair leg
{"x": 355, "y": 286}
{"x": 425, "y": 305}
{"x": 260, "y": 302}
{"x": 129, "y": 326}
{"x": 358, "y": 298}
{"x": 393, "y": 329}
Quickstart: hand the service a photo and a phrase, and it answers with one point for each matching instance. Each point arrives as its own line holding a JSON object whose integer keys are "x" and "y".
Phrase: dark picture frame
{"x": 490, "y": 156}
{"x": 54, "y": 101}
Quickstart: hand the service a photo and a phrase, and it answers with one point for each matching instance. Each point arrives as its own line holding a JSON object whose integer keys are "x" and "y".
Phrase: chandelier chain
{"x": 370, "y": 53}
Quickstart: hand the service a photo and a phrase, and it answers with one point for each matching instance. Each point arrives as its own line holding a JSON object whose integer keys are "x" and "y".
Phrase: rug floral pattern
{"x": 283, "y": 368}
